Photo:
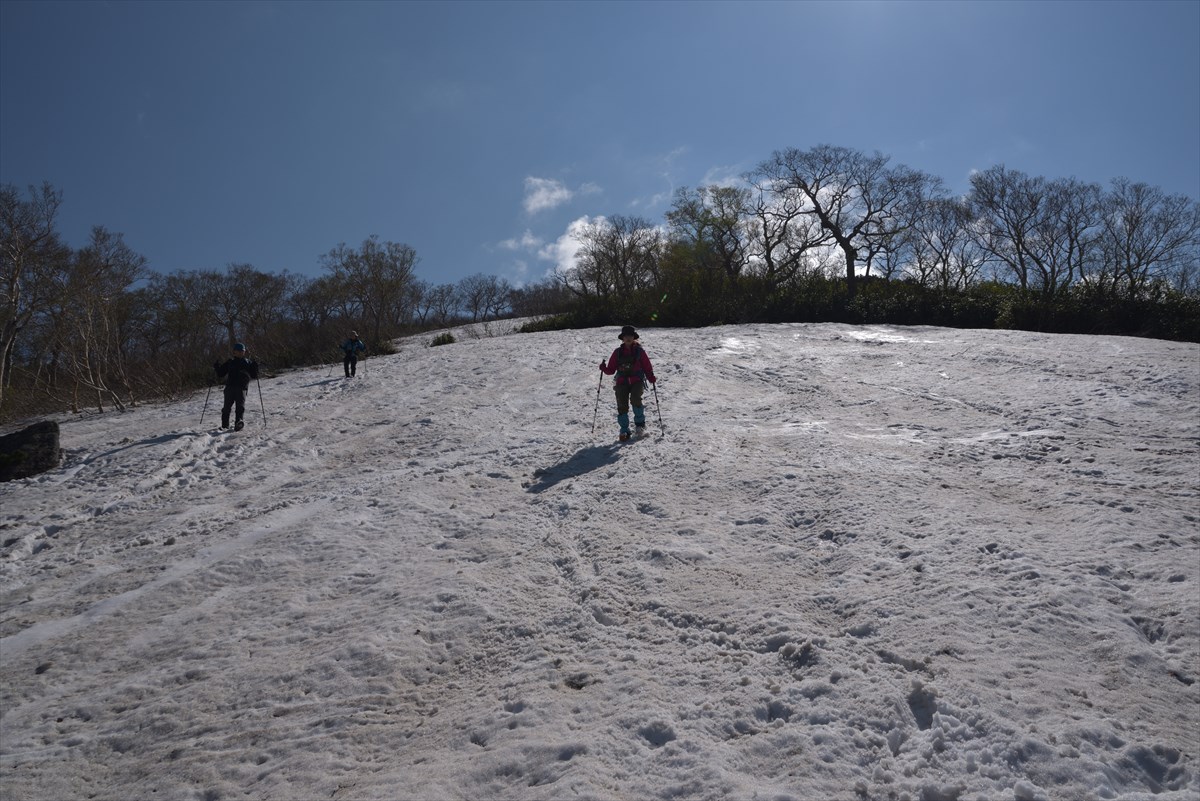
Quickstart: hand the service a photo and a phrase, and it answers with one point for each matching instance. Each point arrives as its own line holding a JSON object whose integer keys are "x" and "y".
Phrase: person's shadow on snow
{"x": 128, "y": 443}
{"x": 322, "y": 382}
{"x": 582, "y": 461}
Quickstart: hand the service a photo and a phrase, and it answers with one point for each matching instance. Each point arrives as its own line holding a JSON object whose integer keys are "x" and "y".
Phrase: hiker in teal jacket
{"x": 352, "y": 347}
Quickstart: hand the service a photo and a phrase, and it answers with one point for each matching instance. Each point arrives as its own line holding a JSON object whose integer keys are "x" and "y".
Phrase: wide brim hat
{"x": 628, "y": 331}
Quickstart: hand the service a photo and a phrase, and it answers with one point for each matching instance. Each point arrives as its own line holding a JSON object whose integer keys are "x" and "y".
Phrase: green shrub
{"x": 554, "y": 322}
{"x": 442, "y": 339}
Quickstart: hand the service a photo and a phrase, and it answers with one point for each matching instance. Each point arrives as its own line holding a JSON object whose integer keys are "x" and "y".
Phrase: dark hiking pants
{"x": 234, "y": 397}
{"x": 627, "y": 395}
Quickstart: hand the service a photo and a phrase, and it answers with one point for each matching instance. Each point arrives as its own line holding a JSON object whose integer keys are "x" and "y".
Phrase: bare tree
{"x": 378, "y": 276}
{"x": 484, "y": 297}
{"x": 234, "y": 300}
{"x": 888, "y": 258}
{"x": 31, "y": 259}
{"x": 889, "y": 241}
{"x": 712, "y": 221}
{"x": 420, "y": 302}
{"x": 472, "y": 294}
{"x": 782, "y": 236}
{"x": 223, "y": 306}
{"x": 499, "y": 300}
{"x": 245, "y": 301}
{"x": 859, "y": 200}
{"x": 943, "y": 252}
{"x": 312, "y": 302}
{"x": 1043, "y": 231}
{"x": 1147, "y": 235}
{"x": 541, "y": 297}
{"x": 1007, "y": 205}
{"x": 93, "y": 329}
{"x": 1069, "y": 238}
{"x": 617, "y": 257}
{"x": 443, "y": 303}
{"x": 173, "y": 328}
{"x": 182, "y": 322}
{"x": 586, "y": 279}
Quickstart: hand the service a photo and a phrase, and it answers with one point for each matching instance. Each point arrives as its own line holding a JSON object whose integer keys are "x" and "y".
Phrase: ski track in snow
{"x": 858, "y": 563}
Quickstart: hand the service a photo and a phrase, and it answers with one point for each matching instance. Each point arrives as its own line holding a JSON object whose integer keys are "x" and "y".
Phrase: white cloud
{"x": 528, "y": 242}
{"x": 723, "y": 176}
{"x": 665, "y": 168}
{"x": 518, "y": 273}
{"x": 654, "y": 201}
{"x": 543, "y": 194}
{"x": 564, "y": 251}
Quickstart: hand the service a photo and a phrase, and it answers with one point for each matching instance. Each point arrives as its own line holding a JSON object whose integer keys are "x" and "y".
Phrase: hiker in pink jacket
{"x": 632, "y": 367}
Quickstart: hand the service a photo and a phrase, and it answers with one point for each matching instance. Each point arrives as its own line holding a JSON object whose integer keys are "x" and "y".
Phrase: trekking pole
{"x": 596, "y": 411}
{"x": 261, "y": 405}
{"x": 658, "y": 407}
{"x": 331, "y": 366}
{"x": 205, "y": 409}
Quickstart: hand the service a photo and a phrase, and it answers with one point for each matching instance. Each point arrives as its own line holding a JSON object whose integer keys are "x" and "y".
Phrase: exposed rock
{"x": 30, "y": 451}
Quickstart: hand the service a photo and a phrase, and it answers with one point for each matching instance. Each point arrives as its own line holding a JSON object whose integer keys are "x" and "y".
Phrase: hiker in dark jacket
{"x": 633, "y": 369}
{"x": 352, "y": 347}
{"x": 237, "y": 373}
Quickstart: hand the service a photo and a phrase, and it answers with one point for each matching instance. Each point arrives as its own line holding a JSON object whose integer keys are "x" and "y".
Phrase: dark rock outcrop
{"x": 30, "y": 451}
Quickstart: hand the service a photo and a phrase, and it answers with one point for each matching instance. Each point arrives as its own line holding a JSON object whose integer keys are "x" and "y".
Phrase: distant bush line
{"x": 1163, "y": 314}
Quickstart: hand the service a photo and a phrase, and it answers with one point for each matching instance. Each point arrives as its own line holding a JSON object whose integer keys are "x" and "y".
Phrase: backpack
{"x": 627, "y": 365}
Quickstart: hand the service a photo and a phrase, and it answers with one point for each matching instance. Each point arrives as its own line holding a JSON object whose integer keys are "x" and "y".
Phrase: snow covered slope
{"x": 851, "y": 563}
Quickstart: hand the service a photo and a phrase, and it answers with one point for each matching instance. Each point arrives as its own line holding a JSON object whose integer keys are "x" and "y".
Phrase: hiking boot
{"x": 239, "y": 425}
{"x": 625, "y": 435}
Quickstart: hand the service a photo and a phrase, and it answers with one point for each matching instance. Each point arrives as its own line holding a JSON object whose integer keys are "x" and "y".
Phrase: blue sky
{"x": 265, "y": 133}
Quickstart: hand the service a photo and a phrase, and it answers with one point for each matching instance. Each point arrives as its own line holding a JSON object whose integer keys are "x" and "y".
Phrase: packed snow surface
{"x": 848, "y": 563}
